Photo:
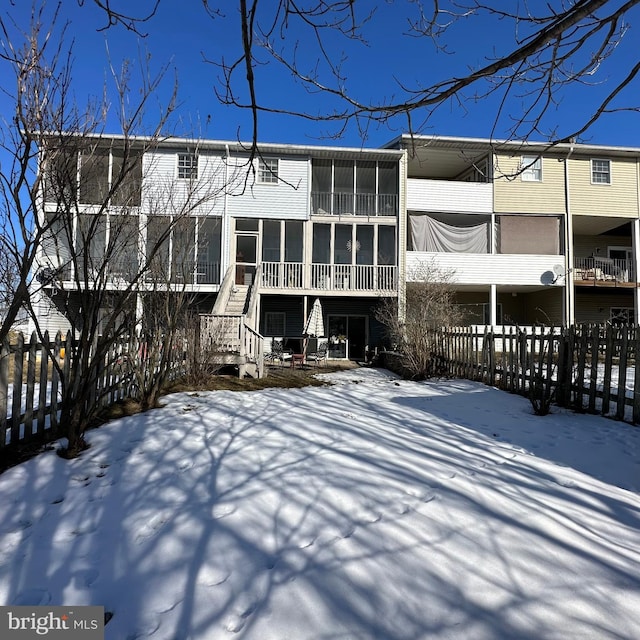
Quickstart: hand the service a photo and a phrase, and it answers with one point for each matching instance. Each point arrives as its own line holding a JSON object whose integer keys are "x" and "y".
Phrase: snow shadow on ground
{"x": 383, "y": 509}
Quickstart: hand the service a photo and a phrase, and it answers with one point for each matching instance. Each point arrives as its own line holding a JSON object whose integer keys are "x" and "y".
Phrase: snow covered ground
{"x": 373, "y": 508}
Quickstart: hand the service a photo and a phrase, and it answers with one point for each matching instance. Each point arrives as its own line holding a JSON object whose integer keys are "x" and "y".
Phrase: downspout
{"x": 569, "y": 297}
{"x": 402, "y": 239}
{"x": 225, "y": 240}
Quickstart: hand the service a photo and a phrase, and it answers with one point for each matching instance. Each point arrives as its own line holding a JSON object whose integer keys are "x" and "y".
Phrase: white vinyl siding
{"x": 287, "y": 199}
{"x": 449, "y": 196}
{"x": 485, "y": 269}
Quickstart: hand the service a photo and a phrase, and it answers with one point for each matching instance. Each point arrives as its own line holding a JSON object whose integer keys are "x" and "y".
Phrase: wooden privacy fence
{"x": 590, "y": 368}
{"x": 31, "y": 387}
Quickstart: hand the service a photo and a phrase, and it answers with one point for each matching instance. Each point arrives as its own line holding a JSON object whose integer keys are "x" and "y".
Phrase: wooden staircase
{"x": 229, "y": 331}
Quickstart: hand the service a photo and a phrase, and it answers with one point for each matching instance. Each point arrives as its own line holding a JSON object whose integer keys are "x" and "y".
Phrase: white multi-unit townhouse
{"x": 527, "y": 233}
{"x": 272, "y": 233}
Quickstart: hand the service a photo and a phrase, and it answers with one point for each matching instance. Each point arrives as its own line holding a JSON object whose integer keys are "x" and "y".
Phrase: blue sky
{"x": 182, "y": 35}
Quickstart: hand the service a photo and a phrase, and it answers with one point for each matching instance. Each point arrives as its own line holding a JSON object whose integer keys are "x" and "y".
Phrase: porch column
{"x": 635, "y": 241}
{"x": 139, "y": 313}
{"x": 493, "y": 305}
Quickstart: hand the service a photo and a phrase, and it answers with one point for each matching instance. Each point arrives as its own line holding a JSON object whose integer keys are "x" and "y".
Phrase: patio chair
{"x": 277, "y": 355}
{"x": 320, "y": 355}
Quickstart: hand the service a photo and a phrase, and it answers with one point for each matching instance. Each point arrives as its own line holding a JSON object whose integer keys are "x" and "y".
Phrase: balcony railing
{"x": 359, "y": 204}
{"x": 120, "y": 272}
{"x": 604, "y": 271}
{"x": 329, "y": 277}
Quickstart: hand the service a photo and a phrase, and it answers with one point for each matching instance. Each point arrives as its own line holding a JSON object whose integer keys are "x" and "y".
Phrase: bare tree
{"x": 543, "y": 49}
{"x": 430, "y": 306}
{"x": 177, "y": 230}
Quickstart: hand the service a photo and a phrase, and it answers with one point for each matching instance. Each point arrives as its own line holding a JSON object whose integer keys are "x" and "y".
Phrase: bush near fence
{"x": 31, "y": 387}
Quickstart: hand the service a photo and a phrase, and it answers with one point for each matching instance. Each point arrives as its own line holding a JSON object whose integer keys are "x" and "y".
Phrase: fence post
{"x": 636, "y": 381}
{"x": 43, "y": 381}
{"x": 608, "y": 365}
{"x": 582, "y": 345}
{"x": 16, "y": 405}
{"x": 55, "y": 380}
{"x": 593, "y": 378}
{"x": 4, "y": 386}
{"x": 621, "y": 399}
{"x": 563, "y": 393}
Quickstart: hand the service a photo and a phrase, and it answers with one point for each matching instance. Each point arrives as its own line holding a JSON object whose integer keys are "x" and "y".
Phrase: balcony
{"x": 604, "y": 272}
{"x": 483, "y": 269}
{"x": 449, "y": 196}
{"x": 379, "y": 279}
{"x": 359, "y": 204}
{"x": 121, "y": 273}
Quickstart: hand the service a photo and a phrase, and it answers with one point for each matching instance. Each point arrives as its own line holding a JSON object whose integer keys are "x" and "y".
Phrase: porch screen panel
{"x": 342, "y": 244}
{"x": 157, "y": 245}
{"x": 124, "y": 249}
{"x": 343, "y": 187}
{"x": 321, "y": 186}
{"x": 293, "y": 241}
{"x": 91, "y": 235}
{"x": 321, "y": 253}
{"x": 521, "y": 234}
{"x": 365, "y": 188}
{"x": 364, "y": 244}
{"x": 126, "y": 171}
{"x": 56, "y": 241}
{"x": 209, "y": 250}
{"x": 61, "y": 176}
{"x": 387, "y": 188}
{"x": 94, "y": 176}
{"x": 271, "y": 240}
{"x": 386, "y": 245}
{"x": 183, "y": 249}
{"x": 428, "y": 234}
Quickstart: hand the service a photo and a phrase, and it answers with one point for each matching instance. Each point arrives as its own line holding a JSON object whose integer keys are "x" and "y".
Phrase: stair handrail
{"x": 225, "y": 291}
{"x": 254, "y": 296}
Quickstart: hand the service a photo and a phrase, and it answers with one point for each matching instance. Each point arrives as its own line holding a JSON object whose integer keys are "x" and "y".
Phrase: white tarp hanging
{"x": 428, "y": 234}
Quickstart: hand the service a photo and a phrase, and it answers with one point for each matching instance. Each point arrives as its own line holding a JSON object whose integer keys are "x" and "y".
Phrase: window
{"x": 268, "y": 170}
{"x": 601, "y": 172}
{"x": 274, "y": 323}
{"x": 531, "y": 169}
{"x": 187, "y": 166}
{"x": 621, "y": 316}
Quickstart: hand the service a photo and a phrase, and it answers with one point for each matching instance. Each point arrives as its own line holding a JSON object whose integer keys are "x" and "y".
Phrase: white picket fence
{"x": 31, "y": 387}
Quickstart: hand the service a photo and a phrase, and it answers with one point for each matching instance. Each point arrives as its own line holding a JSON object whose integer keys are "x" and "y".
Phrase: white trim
{"x": 610, "y": 172}
{"x": 266, "y": 174}
{"x": 531, "y": 168}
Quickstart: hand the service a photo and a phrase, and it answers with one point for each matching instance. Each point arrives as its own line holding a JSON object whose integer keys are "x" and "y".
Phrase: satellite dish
{"x": 558, "y": 269}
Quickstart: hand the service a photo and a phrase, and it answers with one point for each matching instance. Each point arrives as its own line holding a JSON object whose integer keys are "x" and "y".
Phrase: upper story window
{"x": 187, "y": 166}
{"x": 268, "y": 170}
{"x": 601, "y": 171}
{"x": 531, "y": 169}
